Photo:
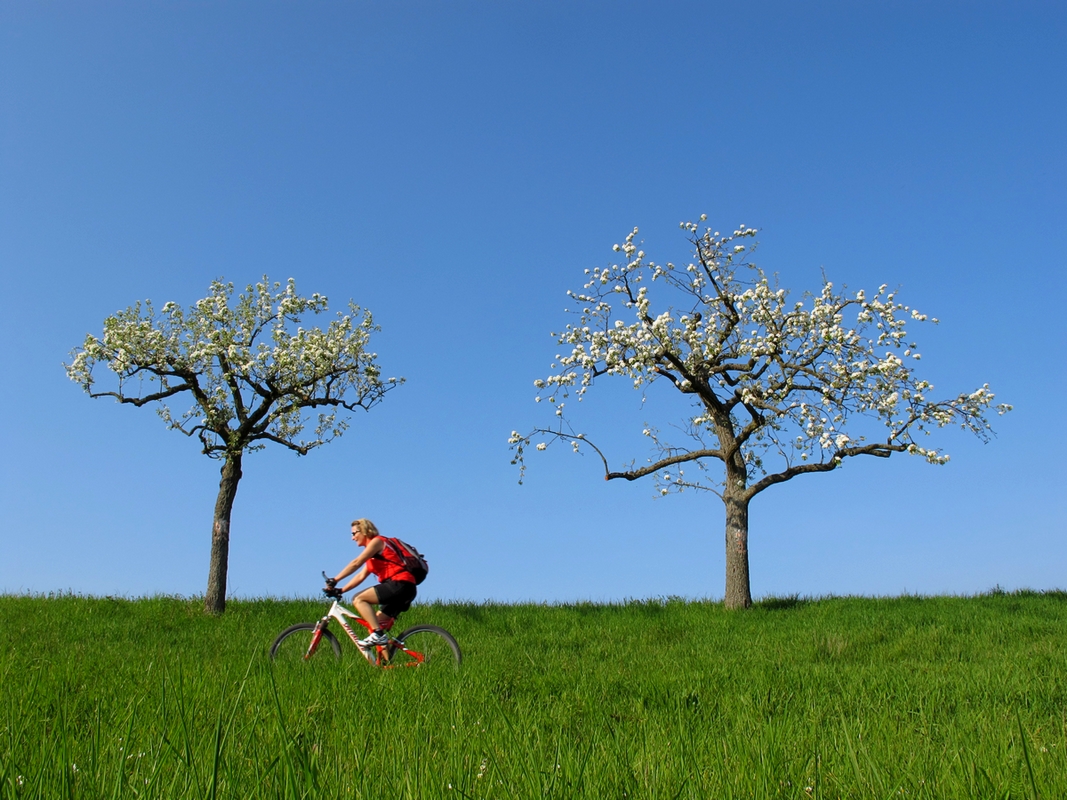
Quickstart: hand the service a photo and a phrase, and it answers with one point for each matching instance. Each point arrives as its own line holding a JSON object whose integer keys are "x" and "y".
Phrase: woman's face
{"x": 360, "y": 538}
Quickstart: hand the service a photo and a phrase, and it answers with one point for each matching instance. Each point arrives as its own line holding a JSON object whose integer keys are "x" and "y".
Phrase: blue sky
{"x": 454, "y": 167}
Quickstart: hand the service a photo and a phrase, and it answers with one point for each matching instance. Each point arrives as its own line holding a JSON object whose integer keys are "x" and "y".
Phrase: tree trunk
{"x": 215, "y": 599}
{"x": 738, "y": 590}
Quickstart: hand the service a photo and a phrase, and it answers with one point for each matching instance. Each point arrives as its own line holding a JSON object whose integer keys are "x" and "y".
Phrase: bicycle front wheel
{"x": 424, "y": 644}
{"x": 293, "y": 645}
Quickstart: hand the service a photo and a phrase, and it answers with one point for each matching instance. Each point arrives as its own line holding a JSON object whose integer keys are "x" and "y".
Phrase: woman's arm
{"x": 357, "y": 579}
{"x": 373, "y": 548}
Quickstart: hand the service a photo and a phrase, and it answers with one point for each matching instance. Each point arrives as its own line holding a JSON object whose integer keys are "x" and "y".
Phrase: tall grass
{"x": 834, "y": 698}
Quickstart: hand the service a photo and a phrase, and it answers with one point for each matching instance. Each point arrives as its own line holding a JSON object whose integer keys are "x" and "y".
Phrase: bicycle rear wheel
{"x": 293, "y": 644}
{"x": 423, "y": 644}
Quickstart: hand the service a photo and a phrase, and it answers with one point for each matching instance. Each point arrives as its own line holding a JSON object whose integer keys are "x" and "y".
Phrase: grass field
{"x": 834, "y": 698}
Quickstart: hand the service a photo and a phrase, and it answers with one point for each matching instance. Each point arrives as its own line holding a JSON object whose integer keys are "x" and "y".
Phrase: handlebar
{"x": 331, "y": 589}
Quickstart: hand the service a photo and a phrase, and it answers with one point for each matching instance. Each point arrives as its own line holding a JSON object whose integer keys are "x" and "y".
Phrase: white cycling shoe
{"x": 378, "y": 639}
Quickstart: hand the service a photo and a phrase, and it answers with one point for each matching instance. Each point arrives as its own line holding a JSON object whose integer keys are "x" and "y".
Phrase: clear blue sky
{"x": 454, "y": 167}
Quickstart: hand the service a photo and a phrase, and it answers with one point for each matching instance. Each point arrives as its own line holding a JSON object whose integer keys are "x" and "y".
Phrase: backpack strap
{"x": 391, "y": 543}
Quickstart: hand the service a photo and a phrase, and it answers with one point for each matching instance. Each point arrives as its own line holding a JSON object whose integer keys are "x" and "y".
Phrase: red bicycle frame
{"x": 381, "y": 656}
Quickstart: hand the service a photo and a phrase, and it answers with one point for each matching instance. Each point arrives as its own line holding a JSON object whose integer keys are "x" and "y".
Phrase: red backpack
{"x": 409, "y": 558}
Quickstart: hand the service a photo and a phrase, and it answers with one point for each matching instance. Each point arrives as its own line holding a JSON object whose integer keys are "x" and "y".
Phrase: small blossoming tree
{"x": 778, "y": 388}
{"x": 249, "y": 376}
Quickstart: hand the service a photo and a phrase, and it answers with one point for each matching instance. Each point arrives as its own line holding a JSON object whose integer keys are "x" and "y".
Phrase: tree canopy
{"x": 778, "y": 387}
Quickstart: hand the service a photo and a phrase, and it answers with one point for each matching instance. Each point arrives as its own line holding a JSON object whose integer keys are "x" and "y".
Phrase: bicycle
{"x": 413, "y": 647}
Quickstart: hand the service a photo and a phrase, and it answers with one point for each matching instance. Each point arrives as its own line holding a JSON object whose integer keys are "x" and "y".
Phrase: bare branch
{"x": 146, "y": 399}
{"x": 681, "y": 458}
{"x": 878, "y": 450}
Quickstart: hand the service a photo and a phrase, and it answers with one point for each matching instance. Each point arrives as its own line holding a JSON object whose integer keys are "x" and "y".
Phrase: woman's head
{"x": 364, "y": 528}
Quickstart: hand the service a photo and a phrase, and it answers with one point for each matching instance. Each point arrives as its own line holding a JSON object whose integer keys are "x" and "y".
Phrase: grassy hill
{"x": 833, "y": 698}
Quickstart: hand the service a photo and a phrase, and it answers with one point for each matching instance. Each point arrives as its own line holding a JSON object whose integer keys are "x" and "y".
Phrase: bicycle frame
{"x": 383, "y": 652}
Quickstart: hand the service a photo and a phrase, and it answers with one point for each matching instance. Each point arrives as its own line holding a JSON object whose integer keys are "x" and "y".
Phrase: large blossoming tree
{"x": 778, "y": 388}
{"x": 247, "y": 374}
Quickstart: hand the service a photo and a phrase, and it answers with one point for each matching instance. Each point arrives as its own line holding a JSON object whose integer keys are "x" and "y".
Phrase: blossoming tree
{"x": 778, "y": 389}
{"x": 249, "y": 376}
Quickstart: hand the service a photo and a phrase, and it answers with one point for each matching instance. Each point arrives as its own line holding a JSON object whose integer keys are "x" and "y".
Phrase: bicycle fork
{"x": 316, "y": 637}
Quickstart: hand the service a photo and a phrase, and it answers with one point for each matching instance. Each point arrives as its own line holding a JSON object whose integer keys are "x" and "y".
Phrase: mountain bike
{"x": 420, "y": 644}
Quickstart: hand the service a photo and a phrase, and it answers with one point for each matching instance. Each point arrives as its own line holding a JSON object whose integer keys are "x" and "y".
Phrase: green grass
{"x": 833, "y": 698}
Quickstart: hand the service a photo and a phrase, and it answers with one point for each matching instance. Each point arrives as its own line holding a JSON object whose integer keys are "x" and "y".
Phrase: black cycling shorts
{"x": 394, "y": 597}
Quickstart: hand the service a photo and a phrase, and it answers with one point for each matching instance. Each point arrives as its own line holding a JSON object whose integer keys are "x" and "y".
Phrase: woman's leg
{"x": 364, "y": 603}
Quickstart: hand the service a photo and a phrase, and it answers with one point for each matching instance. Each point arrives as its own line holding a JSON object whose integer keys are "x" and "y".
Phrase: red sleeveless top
{"x": 387, "y": 566}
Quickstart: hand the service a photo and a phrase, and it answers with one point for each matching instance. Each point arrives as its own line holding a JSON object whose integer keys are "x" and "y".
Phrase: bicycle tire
{"x": 429, "y": 643}
{"x": 292, "y": 643}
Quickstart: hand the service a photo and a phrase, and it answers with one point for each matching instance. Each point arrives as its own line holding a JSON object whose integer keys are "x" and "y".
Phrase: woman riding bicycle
{"x": 395, "y": 589}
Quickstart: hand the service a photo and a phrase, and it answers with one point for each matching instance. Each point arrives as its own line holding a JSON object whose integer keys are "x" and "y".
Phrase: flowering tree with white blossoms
{"x": 248, "y": 374}
{"x": 778, "y": 388}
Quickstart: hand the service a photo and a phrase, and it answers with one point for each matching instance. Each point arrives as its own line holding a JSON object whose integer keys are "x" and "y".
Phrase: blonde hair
{"x": 366, "y": 527}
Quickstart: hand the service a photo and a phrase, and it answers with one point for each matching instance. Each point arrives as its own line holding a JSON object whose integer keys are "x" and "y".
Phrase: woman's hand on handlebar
{"x": 331, "y": 589}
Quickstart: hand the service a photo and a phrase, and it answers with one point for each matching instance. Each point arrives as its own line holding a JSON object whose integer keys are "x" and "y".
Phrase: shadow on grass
{"x": 773, "y": 603}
